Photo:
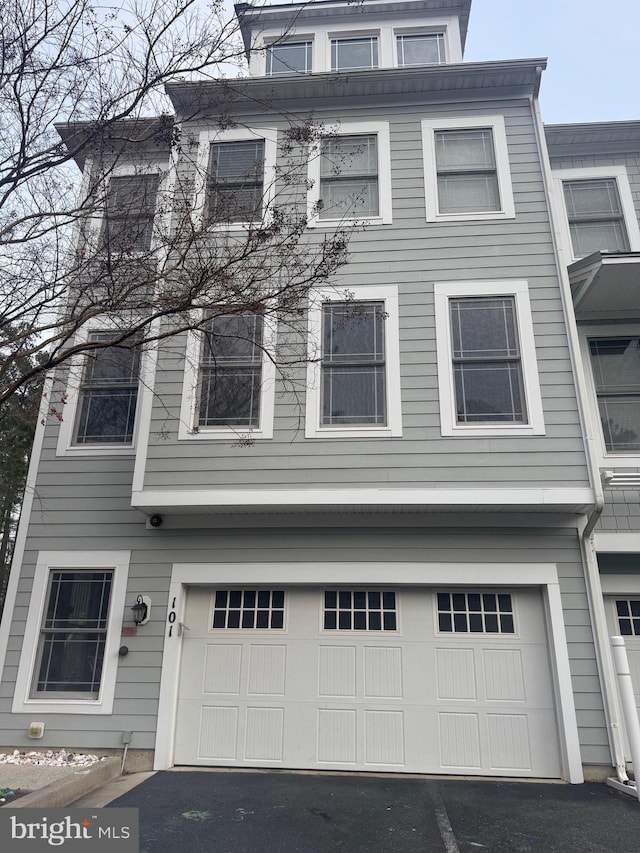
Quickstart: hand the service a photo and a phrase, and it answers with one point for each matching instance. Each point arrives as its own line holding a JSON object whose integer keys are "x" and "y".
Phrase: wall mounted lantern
{"x": 141, "y": 610}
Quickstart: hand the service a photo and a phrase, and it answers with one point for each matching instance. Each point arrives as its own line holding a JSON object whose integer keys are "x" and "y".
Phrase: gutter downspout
{"x": 588, "y": 522}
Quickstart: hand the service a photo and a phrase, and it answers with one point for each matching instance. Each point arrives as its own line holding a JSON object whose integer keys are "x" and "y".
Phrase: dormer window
{"x": 354, "y": 54}
{"x": 289, "y": 58}
{"x": 420, "y": 49}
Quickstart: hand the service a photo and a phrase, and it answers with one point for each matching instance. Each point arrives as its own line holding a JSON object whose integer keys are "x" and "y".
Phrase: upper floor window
{"x": 353, "y": 368}
{"x": 231, "y": 371}
{"x": 127, "y": 223}
{"x": 353, "y": 387}
{"x": 487, "y": 364}
{"x": 354, "y": 54}
{"x": 236, "y": 181}
{"x": 595, "y": 215}
{"x": 349, "y": 177}
{"x": 420, "y": 49}
{"x": 597, "y": 210}
{"x": 289, "y": 58}
{"x": 487, "y": 371}
{"x": 108, "y": 393}
{"x": 467, "y": 174}
{"x": 615, "y": 364}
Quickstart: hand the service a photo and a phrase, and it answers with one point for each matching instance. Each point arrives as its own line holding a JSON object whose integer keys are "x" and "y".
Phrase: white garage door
{"x": 408, "y": 680}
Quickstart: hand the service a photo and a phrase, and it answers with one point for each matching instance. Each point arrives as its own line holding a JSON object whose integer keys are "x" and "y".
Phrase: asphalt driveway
{"x": 245, "y": 812}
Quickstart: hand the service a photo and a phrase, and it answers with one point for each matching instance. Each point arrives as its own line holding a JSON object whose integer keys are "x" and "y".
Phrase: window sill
{"x": 472, "y": 216}
{"x": 61, "y": 706}
{"x": 97, "y": 450}
{"x": 491, "y": 430}
{"x": 354, "y": 432}
{"x": 315, "y": 222}
{"x": 225, "y": 433}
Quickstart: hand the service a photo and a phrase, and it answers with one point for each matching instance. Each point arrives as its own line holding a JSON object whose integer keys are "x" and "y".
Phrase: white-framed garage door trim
{"x": 544, "y": 575}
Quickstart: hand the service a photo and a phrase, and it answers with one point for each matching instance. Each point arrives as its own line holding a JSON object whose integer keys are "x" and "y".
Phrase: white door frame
{"x": 543, "y": 575}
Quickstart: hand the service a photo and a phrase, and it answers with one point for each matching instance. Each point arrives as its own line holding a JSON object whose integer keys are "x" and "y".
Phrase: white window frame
{"x": 122, "y": 170}
{"x": 388, "y": 294}
{"x": 65, "y": 445}
{"x": 385, "y": 211}
{"x": 353, "y": 35}
{"x": 236, "y": 134}
{"x": 621, "y": 177}
{"x": 519, "y": 290}
{"x": 443, "y": 31}
{"x": 188, "y": 429}
{"x": 587, "y": 333}
{"x": 23, "y": 702}
{"x": 289, "y": 39}
{"x": 496, "y": 124}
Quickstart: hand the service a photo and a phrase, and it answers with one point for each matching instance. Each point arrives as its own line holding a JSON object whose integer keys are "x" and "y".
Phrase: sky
{"x": 592, "y": 47}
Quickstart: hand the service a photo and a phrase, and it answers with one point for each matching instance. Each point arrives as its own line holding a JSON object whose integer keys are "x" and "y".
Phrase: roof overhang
{"x": 606, "y": 285}
{"x": 610, "y": 137}
{"x": 460, "y": 82}
{"x": 84, "y": 138}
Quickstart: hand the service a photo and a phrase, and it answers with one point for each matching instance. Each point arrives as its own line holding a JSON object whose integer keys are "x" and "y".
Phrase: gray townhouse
{"x": 409, "y": 558}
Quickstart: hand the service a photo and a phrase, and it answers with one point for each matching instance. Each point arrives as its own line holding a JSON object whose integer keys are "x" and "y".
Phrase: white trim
{"x": 552, "y": 497}
{"x": 47, "y": 560}
{"x": 620, "y": 584}
{"x": 443, "y": 291}
{"x": 354, "y": 27}
{"x": 321, "y": 296}
{"x": 236, "y": 134}
{"x": 594, "y": 332}
{"x": 189, "y": 403}
{"x": 629, "y": 215}
{"x": 503, "y": 169}
{"x": 385, "y": 210}
{"x": 544, "y": 575}
{"x": 618, "y": 542}
{"x": 65, "y": 445}
{"x": 25, "y": 519}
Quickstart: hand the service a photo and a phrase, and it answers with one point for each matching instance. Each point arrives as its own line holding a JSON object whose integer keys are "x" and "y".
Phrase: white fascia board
{"x": 617, "y": 542}
{"x": 159, "y": 498}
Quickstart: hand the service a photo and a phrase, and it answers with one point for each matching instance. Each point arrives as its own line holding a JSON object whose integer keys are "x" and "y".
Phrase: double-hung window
{"x": 354, "y": 54}
{"x": 236, "y": 181}
{"x": 595, "y": 216}
{"x": 420, "y": 49}
{"x": 353, "y": 364}
{"x": 108, "y": 393}
{"x": 615, "y": 364}
{"x": 466, "y": 166}
{"x": 231, "y": 372}
{"x": 289, "y": 58}
{"x": 353, "y": 373}
{"x": 487, "y": 371}
{"x": 127, "y": 223}
{"x": 350, "y": 177}
{"x": 487, "y": 363}
{"x": 597, "y": 210}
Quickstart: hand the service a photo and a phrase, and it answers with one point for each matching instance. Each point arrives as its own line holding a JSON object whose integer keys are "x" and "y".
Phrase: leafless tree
{"x": 84, "y": 86}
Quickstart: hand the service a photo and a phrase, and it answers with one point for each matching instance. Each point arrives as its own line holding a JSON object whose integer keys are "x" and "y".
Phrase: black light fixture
{"x": 141, "y": 610}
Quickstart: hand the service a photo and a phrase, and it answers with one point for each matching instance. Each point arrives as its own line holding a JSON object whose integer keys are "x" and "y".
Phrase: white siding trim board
{"x": 544, "y": 575}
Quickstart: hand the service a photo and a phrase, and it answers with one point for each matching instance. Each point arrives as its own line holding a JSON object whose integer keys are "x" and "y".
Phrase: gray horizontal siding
{"x": 412, "y": 254}
{"x": 55, "y": 527}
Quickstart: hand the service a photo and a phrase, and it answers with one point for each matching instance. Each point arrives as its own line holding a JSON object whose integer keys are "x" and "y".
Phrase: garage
{"x": 427, "y": 680}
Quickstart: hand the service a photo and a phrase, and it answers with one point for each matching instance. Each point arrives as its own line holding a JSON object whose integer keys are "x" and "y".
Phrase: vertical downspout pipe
{"x": 588, "y": 522}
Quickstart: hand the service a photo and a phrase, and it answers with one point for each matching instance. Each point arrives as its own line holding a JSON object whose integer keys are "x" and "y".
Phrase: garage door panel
{"x": 409, "y": 699}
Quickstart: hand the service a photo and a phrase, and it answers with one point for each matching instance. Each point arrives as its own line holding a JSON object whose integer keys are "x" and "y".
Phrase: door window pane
{"x": 475, "y": 613}
{"x": 248, "y": 609}
{"x": 360, "y": 610}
